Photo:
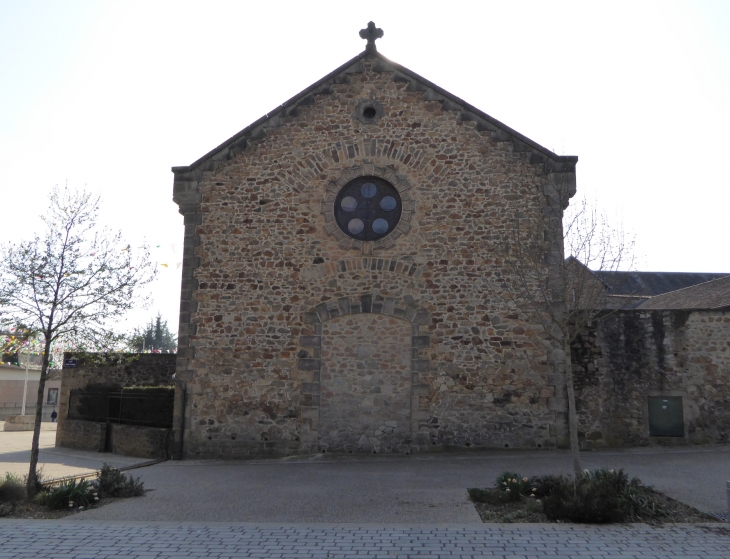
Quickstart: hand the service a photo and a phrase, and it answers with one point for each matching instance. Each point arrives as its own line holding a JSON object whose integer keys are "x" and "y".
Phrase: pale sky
{"x": 112, "y": 94}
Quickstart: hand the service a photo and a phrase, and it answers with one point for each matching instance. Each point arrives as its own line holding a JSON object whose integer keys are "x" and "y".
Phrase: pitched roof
{"x": 652, "y": 283}
{"x": 432, "y": 92}
{"x": 713, "y": 295}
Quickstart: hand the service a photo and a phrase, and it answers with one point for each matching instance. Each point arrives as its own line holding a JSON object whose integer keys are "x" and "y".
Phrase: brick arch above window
{"x": 403, "y": 268}
{"x": 399, "y": 182}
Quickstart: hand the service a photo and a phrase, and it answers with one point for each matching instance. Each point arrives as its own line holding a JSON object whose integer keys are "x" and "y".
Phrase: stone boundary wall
{"x": 81, "y": 435}
{"x": 127, "y": 440}
{"x": 629, "y": 356}
{"x": 145, "y": 442}
{"x": 148, "y": 369}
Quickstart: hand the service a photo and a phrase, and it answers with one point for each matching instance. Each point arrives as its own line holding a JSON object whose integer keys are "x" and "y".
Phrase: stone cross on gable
{"x": 371, "y": 33}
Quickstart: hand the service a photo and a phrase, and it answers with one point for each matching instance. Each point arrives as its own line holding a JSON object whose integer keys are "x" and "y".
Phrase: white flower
{"x": 532, "y": 495}
{"x": 507, "y": 490}
{"x": 81, "y": 508}
{"x": 524, "y": 479}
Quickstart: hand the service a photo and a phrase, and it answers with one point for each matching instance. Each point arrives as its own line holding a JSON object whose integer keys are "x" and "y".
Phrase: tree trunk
{"x": 32, "y": 472}
{"x": 572, "y": 416}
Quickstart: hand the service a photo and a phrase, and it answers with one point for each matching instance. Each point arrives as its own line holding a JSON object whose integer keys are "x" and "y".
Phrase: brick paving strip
{"x": 167, "y": 540}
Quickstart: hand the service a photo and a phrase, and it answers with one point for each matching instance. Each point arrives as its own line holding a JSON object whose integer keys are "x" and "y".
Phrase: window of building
{"x": 368, "y": 208}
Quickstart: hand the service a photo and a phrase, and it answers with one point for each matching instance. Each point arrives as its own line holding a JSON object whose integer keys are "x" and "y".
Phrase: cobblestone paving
{"x": 97, "y": 540}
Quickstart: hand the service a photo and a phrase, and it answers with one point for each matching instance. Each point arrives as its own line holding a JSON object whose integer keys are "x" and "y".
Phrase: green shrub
{"x": 639, "y": 502}
{"x": 12, "y": 489}
{"x": 71, "y": 494}
{"x": 113, "y": 483}
{"x": 545, "y": 485}
{"x": 514, "y": 486}
{"x": 152, "y": 405}
{"x": 9, "y": 476}
{"x": 39, "y": 480}
{"x": 91, "y": 403}
{"x": 597, "y": 497}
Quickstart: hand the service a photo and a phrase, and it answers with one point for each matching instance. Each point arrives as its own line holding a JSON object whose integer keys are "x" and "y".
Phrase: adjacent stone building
{"x": 343, "y": 284}
{"x": 101, "y": 374}
{"x": 659, "y": 373}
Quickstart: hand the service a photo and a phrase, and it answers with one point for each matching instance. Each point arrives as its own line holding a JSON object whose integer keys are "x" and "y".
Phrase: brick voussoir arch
{"x": 310, "y": 362}
{"x": 402, "y": 268}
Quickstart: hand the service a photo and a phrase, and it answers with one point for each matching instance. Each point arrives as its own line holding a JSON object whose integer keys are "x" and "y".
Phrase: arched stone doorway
{"x": 365, "y": 360}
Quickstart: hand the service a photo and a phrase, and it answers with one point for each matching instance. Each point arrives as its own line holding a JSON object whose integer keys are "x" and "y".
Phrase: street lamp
{"x": 25, "y": 384}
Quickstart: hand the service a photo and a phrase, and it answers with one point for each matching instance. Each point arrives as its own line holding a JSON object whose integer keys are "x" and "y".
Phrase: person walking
{"x": 54, "y": 416}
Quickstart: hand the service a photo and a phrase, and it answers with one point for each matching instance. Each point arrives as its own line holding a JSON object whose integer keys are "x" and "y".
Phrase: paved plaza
{"x": 163, "y": 540}
{"x": 360, "y": 506}
{"x": 421, "y": 488}
{"x": 53, "y": 462}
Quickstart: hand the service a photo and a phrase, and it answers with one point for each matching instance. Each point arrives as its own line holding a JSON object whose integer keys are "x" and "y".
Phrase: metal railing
{"x": 142, "y": 407}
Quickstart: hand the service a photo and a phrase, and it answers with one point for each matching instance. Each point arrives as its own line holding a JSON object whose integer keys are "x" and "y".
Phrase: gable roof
{"x": 432, "y": 92}
{"x": 643, "y": 284}
{"x": 711, "y": 295}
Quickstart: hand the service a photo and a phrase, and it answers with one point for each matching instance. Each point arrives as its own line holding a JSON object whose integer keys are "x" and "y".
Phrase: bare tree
{"x": 564, "y": 295}
{"x": 69, "y": 285}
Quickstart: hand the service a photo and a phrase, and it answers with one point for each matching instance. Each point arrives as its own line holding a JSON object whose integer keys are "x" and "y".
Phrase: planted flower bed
{"x": 596, "y": 497}
{"x": 68, "y": 497}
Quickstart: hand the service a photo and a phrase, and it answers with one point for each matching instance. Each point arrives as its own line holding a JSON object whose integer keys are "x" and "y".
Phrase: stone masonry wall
{"x": 146, "y": 369}
{"x": 145, "y": 442}
{"x": 632, "y": 355}
{"x": 365, "y": 394}
{"x": 268, "y": 278}
{"x": 81, "y": 435}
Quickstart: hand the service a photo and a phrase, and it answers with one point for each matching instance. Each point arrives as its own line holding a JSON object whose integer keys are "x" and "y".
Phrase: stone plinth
{"x": 19, "y": 423}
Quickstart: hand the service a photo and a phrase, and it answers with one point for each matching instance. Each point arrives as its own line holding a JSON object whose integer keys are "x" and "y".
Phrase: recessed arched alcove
{"x": 360, "y": 369}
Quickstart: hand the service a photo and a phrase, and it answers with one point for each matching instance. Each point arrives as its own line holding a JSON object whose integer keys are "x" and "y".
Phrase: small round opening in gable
{"x": 368, "y": 208}
{"x": 369, "y": 111}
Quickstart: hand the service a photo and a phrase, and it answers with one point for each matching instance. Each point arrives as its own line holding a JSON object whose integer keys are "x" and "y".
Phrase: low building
{"x": 12, "y": 381}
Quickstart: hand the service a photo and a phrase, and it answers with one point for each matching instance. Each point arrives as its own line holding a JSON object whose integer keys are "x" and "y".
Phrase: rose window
{"x": 367, "y": 208}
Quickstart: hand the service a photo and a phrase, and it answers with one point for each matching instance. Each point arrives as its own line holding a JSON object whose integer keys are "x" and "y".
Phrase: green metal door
{"x": 665, "y": 416}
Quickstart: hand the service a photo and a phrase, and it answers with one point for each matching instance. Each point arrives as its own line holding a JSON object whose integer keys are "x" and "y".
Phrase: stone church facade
{"x": 343, "y": 285}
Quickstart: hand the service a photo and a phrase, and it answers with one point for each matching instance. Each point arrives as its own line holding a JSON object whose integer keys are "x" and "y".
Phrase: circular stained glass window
{"x": 367, "y": 208}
